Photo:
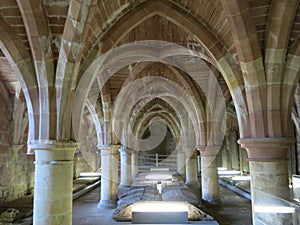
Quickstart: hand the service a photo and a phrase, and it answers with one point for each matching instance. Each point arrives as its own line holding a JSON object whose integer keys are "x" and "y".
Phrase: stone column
{"x": 209, "y": 174}
{"x": 109, "y": 176}
{"x": 181, "y": 170}
{"x": 98, "y": 160}
{"x": 298, "y": 153}
{"x": 126, "y": 179}
{"x": 191, "y": 167}
{"x": 135, "y": 163}
{"x": 53, "y": 182}
{"x": 269, "y": 177}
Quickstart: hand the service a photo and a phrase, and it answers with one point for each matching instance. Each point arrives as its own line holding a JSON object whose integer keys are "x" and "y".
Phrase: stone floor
{"x": 234, "y": 210}
{"x": 85, "y": 211}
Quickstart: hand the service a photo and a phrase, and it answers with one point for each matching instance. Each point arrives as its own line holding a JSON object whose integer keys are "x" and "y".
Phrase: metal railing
{"x": 148, "y": 161}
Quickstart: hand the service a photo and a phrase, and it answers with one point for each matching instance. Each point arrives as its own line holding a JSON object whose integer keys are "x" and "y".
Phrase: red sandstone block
{"x": 5, "y": 125}
{"x": 59, "y": 10}
{"x": 9, "y": 11}
{"x": 4, "y": 180}
{"x": 3, "y": 148}
{"x": 4, "y": 138}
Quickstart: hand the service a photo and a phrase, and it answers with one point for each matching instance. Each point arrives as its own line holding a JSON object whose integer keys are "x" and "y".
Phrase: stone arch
{"x": 98, "y": 126}
{"x": 151, "y": 89}
{"x": 251, "y": 62}
{"x": 221, "y": 56}
{"x": 167, "y": 112}
{"x": 108, "y": 64}
{"x": 34, "y": 18}
{"x": 276, "y": 65}
{"x": 21, "y": 63}
{"x": 172, "y": 12}
{"x": 6, "y": 107}
{"x": 170, "y": 128}
{"x": 70, "y": 54}
{"x": 183, "y": 80}
{"x": 106, "y": 109}
{"x": 290, "y": 81}
{"x": 177, "y": 77}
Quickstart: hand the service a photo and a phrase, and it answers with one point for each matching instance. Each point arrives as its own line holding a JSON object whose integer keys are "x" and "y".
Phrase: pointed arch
{"x": 221, "y": 57}
{"x": 39, "y": 37}
{"x": 251, "y": 61}
{"x": 21, "y": 63}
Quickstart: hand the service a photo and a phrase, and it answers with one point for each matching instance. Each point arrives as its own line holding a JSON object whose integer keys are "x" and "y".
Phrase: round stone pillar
{"x": 53, "y": 182}
{"x": 126, "y": 179}
{"x": 135, "y": 163}
{"x": 209, "y": 174}
{"x": 191, "y": 168}
{"x": 181, "y": 167}
{"x": 109, "y": 176}
{"x": 269, "y": 178}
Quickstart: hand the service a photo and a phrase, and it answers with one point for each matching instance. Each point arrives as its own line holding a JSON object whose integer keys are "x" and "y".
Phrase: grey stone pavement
{"x": 233, "y": 210}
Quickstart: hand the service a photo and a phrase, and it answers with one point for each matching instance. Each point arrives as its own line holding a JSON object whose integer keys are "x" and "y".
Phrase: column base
{"x": 212, "y": 201}
{"x": 124, "y": 186}
{"x": 107, "y": 204}
{"x": 195, "y": 189}
{"x": 181, "y": 176}
{"x": 192, "y": 184}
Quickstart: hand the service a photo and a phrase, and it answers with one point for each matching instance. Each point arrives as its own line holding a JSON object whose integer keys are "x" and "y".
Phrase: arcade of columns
{"x": 65, "y": 76}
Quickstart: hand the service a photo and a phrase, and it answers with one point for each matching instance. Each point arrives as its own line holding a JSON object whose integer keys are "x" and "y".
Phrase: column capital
{"x": 179, "y": 148}
{"x": 124, "y": 150}
{"x": 53, "y": 181}
{"x": 108, "y": 149}
{"x": 51, "y": 144}
{"x": 135, "y": 151}
{"x": 189, "y": 151}
{"x": 16, "y": 147}
{"x": 267, "y": 149}
{"x": 208, "y": 150}
{"x": 52, "y": 150}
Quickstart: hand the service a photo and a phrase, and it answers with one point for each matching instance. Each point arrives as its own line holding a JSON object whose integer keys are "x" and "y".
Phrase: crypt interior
{"x": 163, "y": 100}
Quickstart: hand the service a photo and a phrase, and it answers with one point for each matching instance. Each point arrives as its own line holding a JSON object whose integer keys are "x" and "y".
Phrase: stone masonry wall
{"x": 16, "y": 168}
{"x": 81, "y": 165}
{"x": 5, "y": 131}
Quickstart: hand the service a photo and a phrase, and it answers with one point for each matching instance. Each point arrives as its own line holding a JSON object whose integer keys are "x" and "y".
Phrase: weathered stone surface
{"x": 9, "y": 216}
{"x": 46, "y": 47}
{"x": 169, "y": 193}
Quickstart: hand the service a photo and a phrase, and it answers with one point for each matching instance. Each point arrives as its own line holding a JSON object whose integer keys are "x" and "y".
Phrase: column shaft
{"x": 181, "y": 170}
{"x": 135, "y": 164}
{"x": 209, "y": 174}
{"x": 126, "y": 180}
{"x": 191, "y": 168}
{"x": 269, "y": 178}
{"x": 209, "y": 179}
{"x": 53, "y": 183}
{"x": 109, "y": 176}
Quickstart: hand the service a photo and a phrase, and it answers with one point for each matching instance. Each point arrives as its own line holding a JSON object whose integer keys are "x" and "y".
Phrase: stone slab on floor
{"x": 234, "y": 210}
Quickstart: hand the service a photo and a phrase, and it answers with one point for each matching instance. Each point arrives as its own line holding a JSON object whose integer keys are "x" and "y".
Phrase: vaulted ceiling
{"x": 79, "y": 31}
{"x": 101, "y": 16}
